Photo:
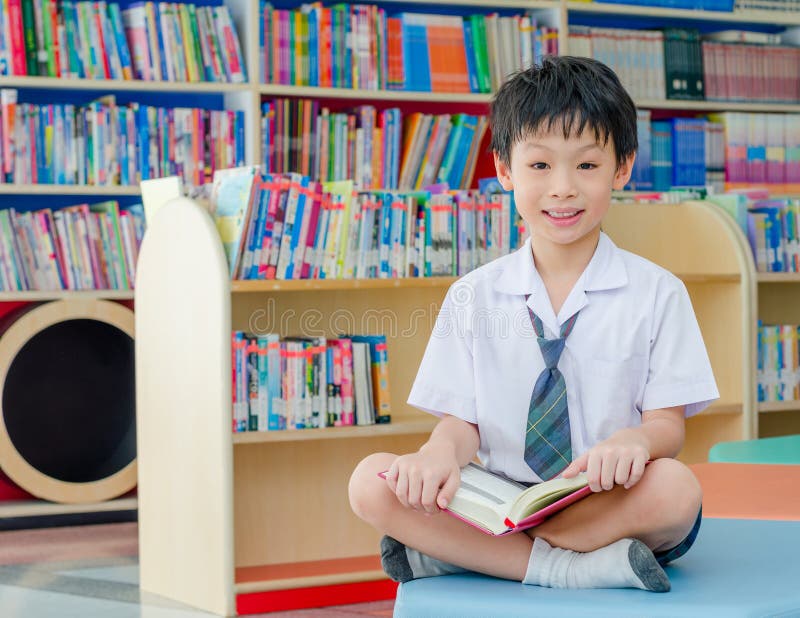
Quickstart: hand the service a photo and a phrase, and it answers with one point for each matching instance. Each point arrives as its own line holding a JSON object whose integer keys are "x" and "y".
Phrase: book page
{"x": 543, "y": 494}
{"x": 490, "y": 486}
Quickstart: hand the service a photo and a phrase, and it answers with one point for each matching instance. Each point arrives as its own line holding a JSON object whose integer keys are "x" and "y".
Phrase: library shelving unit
{"x": 779, "y": 303}
{"x": 236, "y": 522}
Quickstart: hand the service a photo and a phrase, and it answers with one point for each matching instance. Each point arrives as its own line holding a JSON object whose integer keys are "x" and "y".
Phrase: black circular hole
{"x": 69, "y": 401}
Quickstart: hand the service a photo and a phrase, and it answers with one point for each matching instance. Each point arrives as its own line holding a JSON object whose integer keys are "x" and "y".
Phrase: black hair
{"x": 575, "y": 92}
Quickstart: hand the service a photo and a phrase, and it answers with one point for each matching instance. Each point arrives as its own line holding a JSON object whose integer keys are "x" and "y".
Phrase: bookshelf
{"x": 255, "y": 499}
{"x": 779, "y": 303}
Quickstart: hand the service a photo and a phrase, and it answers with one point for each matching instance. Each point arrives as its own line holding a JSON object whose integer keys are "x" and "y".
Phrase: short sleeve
{"x": 445, "y": 382}
{"x": 680, "y": 372}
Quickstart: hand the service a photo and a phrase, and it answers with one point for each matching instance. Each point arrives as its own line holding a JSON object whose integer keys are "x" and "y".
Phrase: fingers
{"x": 593, "y": 470}
{"x": 637, "y": 470}
{"x": 623, "y": 471}
{"x": 576, "y": 466}
{"x": 608, "y": 469}
{"x": 449, "y": 489}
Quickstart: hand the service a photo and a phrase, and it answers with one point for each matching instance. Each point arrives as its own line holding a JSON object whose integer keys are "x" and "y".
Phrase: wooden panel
{"x": 779, "y": 303}
{"x": 718, "y": 308}
{"x": 405, "y": 318}
{"x": 705, "y": 430}
{"x": 779, "y": 423}
{"x": 183, "y": 393}
{"x": 683, "y": 238}
{"x": 291, "y": 500}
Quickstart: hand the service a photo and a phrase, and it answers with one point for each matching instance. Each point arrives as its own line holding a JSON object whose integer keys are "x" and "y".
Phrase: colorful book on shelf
{"x": 232, "y": 197}
{"x": 497, "y": 505}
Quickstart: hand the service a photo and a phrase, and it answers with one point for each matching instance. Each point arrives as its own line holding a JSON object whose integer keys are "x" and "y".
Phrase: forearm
{"x": 662, "y": 432}
{"x": 454, "y": 435}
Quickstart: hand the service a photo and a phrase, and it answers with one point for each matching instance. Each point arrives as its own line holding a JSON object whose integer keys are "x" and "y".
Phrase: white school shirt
{"x": 635, "y": 346}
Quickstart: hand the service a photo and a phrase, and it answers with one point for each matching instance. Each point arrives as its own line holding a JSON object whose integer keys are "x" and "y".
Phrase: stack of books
{"x": 105, "y": 143}
{"x": 360, "y": 46}
{"x": 96, "y": 40}
{"x": 287, "y": 226}
{"x": 83, "y": 247}
{"x": 376, "y": 149}
{"x": 307, "y": 382}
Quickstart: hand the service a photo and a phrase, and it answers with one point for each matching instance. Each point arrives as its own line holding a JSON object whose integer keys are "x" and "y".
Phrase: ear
{"x": 503, "y": 173}
{"x": 623, "y": 174}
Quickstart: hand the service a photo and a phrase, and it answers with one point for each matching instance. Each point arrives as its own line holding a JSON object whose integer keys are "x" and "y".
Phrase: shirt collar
{"x": 605, "y": 271}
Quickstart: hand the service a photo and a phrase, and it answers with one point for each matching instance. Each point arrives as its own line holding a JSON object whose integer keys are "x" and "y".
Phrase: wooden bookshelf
{"x": 718, "y": 106}
{"x": 52, "y": 189}
{"x": 786, "y": 18}
{"x": 36, "y": 508}
{"x": 45, "y": 295}
{"x": 120, "y": 85}
{"x": 299, "y": 285}
{"x": 401, "y": 428}
{"x": 779, "y": 406}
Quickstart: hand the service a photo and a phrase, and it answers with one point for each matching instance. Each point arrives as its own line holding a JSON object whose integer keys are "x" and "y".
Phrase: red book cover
{"x": 325, "y": 49}
{"x": 18, "y": 63}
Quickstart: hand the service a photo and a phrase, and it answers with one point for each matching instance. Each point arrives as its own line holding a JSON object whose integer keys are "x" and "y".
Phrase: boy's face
{"x": 562, "y": 187}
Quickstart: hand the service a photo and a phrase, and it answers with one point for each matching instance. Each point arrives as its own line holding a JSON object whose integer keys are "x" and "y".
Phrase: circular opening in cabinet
{"x": 68, "y": 401}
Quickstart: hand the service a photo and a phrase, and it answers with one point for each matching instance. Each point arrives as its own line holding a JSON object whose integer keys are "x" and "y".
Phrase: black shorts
{"x": 668, "y": 555}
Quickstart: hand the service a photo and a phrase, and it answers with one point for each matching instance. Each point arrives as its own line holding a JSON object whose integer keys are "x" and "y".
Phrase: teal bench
{"x": 780, "y": 450}
{"x": 736, "y": 568}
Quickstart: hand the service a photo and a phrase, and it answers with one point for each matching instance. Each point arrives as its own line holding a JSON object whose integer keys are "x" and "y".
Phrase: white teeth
{"x": 562, "y": 215}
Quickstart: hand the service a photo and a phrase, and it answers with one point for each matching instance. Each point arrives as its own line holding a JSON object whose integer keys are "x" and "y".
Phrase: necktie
{"x": 548, "y": 448}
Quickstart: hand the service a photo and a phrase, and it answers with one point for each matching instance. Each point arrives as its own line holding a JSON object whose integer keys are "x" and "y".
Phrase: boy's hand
{"x": 426, "y": 480}
{"x": 619, "y": 460}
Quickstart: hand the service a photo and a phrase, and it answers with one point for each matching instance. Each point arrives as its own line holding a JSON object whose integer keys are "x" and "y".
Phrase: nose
{"x": 562, "y": 184}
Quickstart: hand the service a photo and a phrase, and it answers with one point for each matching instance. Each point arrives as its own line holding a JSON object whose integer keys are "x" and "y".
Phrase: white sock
{"x": 628, "y": 563}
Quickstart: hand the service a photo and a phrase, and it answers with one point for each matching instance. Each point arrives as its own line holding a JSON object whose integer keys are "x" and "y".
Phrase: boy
{"x": 569, "y": 355}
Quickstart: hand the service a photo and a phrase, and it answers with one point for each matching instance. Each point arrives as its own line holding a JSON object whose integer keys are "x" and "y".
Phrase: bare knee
{"x": 674, "y": 495}
{"x": 370, "y": 498}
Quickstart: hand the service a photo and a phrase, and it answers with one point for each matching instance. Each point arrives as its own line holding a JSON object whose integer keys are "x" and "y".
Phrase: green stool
{"x": 780, "y": 450}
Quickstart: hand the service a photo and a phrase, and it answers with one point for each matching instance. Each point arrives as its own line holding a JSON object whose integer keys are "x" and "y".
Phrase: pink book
{"x": 311, "y": 237}
{"x": 498, "y": 506}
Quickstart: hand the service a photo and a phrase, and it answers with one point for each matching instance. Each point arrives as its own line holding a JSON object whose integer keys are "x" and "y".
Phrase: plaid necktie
{"x": 548, "y": 448}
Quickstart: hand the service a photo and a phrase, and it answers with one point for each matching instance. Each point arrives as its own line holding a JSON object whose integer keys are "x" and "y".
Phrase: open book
{"x": 497, "y": 505}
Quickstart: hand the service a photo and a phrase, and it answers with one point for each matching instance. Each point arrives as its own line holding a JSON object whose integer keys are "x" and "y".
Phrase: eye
{"x": 539, "y": 165}
{"x": 586, "y": 166}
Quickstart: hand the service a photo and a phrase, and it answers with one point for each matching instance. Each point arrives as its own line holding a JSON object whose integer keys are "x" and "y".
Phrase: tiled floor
{"x": 92, "y": 572}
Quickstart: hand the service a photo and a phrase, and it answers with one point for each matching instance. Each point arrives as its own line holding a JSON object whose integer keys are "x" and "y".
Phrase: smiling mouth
{"x": 562, "y": 214}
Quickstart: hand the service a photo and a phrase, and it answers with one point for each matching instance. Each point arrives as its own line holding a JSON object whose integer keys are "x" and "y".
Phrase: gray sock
{"x": 403, "y": 563}
{"x": 628, "y": 563}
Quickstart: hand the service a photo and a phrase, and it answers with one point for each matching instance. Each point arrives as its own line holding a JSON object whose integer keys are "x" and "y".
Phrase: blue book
{"x": 298, "y": 220}
{"x": 313, "y": 46}
{"x": 416, "y": 62}
{"x": 469, "y": 47}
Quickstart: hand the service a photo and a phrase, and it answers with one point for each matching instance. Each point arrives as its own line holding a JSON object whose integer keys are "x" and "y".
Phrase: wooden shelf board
{"x": 311, "y": 573}
{"x": 51, "y": 189}
{"x": 723, "y": 408}
{"x": 778, "y": 406}
{"x": 36, "y": 295}
{"x": 57, "y": 83}
{"x": 708, "y": 278}
{"x": 750, "y": 17}
{"x": 32, "y": 508}
{"x": 498, "y": 5}
{"x": 778, "y": 277}
{"x": 402, "y": 428}
{"x": 302, "y": 285}
{"x": 377, "y": 95}
{"x": 717, "y": 106}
